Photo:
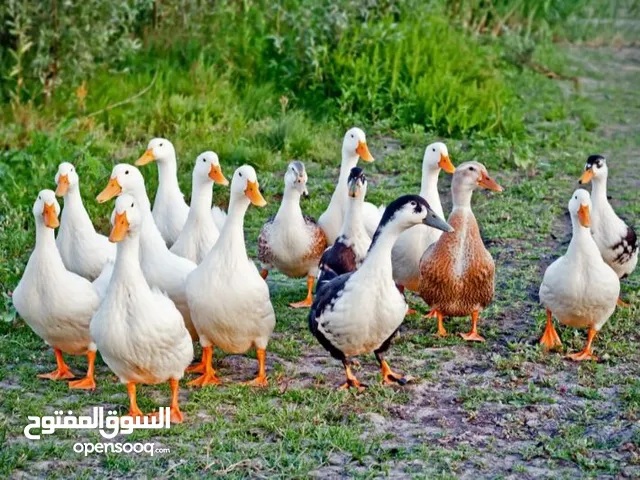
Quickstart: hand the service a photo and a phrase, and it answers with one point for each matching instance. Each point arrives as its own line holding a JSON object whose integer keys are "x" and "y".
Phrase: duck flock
{"x": 175, "y": 274}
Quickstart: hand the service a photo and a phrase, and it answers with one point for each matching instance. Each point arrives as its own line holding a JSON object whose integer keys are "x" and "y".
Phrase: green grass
{"x": 497, "y": 409}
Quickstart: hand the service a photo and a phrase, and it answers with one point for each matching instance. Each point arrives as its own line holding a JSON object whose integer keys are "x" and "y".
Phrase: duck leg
{"x": 388, "y": 375}
{"x": 88, "y": 382}
{"x": 63, "y": 372}
{"x": 309, "y": 300}
{"x": 176, "y": 414}
{"x": 209, "y": 376}
{"x": 473, "y": 335}
{"x": 401, "y": 289}
{"x": 197, "y": 367}
{"x": 134, "y": 411}
{"x": 587, "y": 353}
{"x": 352, "y": 381}
{"x": 442, "y": 332}
{"x": 550, "y": 338}
{"x": 261, "y": 379}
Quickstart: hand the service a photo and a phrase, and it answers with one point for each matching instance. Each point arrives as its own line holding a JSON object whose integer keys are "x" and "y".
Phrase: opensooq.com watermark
{"x": 108, "y": 426}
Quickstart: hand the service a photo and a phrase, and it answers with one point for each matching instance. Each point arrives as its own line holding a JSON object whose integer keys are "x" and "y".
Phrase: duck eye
{"x": 161, "y": 144}
{"x": 131, "y": 204}
{"x": 126, "y": 172}
{"x": 240, "y": 174}
{"x": 413, "y": 204}
{"x": 472, "y": 169}
{"x": 434, "y": 149}
{"x": 352, "y": 135}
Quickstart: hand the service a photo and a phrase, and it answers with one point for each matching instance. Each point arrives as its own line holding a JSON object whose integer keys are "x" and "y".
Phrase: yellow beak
{"x": 63, "y": 185}
{"x": 120, "y": 228}
{"x": 584, "y": 216}
{"x": 112, "y": 189}
{"x": 253, "y": 193}
{"x": 215, "y": 174}
{"x": 49, "y": 215}
{"x": 445, "y": 164}
{"x": 146, "y": 157}
{"x": 586, "y": 177}
{"x": 487, "y": 182}
{"x": 364, "y": 152}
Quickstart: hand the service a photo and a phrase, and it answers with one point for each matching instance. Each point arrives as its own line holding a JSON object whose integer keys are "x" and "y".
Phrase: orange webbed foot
{"x": 58, "y": 374}
{"x": 411, "y": 311}
{"x": 176, "y": 415}
{"x": 306, "y": 303}
{"x": 353, "y": 383}
{"x": 135, "y": 412}
{"x": 582, "y": 356}
{"x": 86, "y": 383}
{"x": 622, "y": 303}
{"x": 472, "y": 337}
{"x": 395, "y": 379}
{"x": 204, "y": 380}
{"x": 195, "y": 368}
{"x": 550, "y": 339}
{"x": 260, "y": 381}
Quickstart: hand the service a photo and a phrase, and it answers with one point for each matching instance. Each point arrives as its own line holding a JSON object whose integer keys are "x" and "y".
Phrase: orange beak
{"x": 584, "y": 216}
{"x": 445, "y": 164}
{"x": 120, "y": 228}
{"x": 586, "y": 177}
{"x": 253, "y": 193}
{"x": 112, "y": 189}
{"x": 487, "y": 182}
{"x": 63, "y": 185}
{"x": 49, "y": 215}
{"x": 146, "y": 158}
{"x": 215, "y": 174}
{"x": 364, "y": 152}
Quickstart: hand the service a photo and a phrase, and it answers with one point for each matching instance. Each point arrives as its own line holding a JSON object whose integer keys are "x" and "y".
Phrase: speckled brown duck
{"x": 457, "y": 272}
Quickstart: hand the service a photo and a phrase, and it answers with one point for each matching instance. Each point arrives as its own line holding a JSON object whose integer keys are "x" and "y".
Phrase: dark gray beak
{"x": 435, "y": 221}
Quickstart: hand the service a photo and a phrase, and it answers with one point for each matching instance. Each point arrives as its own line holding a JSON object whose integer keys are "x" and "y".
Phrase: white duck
{"x": 170, "y": 211}
{"x": 83, "y": 251}
{"x": 290, "y": 241}
{"x": 162, "y": 269}
{"x": 579, "y": 288}
{"x": 361, "y": 311}
{"x": 412, "y": 243}
{"x": 616, "y": 240}
{"x": 140, "y": 333}
{"x": 228, "y": 298}
{"x": 200, "y": 232}
{"x": 57, "y": 304}
{"x": 354, "y": 146}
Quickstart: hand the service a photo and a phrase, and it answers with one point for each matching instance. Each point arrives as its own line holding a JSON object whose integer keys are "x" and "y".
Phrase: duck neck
{"x": 353, "y": 224}
{"x": 379, "y": 254}
{"x": 45, "y": 237}
{"x": 429, "y": 188}
{"x": 599, "y": 190}
{"x": 232, "y": 234}
{"x": 581, "y": 240}
{"x": 168, "y": 177}
{"x": 127, "y": 267}
{"x": 461, "y": 197}
{"x": 340, "y": 194}
{"x": 201, "y": 198}
{"x": 290, "y": 206}
{"x": 74, "y": 209}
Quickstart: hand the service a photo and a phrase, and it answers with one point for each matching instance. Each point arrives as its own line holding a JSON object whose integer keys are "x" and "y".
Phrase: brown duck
{"x": 457, "y": 272}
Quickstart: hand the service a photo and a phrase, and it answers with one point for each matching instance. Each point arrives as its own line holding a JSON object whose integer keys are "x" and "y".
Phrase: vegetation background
{"x": 528, "y": 87}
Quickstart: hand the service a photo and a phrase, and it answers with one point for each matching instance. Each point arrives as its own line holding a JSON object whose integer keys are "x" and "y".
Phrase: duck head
{"x": 580, "y": 207}
{"x": 66, "y": 179}
{"x": 436, "y": 157}
{"x": 471, "y": 175}
{"x": 207, "y": 168}
{"x": 125, "y": 219}
{"x": 245, "y": 184}
{"x": 357, "y": 184}
{"x": 160, "y": 150}
{"x": 296, "y": 178}
{"x": 595, "y": 169}
{"x": 409, "y": 210}
{"x": 47, "y": 209}
{"x": 125, "y": 178}
{"x": 354, "y": 145}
